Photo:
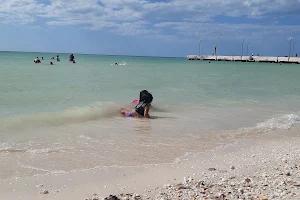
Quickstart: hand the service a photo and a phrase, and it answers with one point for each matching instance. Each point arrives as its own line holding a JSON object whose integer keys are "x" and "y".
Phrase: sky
{"x": 172, "y": 28}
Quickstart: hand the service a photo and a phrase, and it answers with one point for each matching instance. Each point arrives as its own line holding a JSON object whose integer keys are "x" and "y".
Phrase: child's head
{"x": 146, "y": 97}
{"x": 142, "y": 93}
{"x": 149, "y": 98}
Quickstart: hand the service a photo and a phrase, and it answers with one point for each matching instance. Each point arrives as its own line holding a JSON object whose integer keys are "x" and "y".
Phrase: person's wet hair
{"x": 142, "y": 93}
{"x": 146, "y": 98}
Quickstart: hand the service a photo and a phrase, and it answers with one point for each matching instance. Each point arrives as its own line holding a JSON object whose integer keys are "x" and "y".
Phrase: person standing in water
{"x": 71, "y": 57}
{"x": 142, "y": 108}
{"x": 37, "y": 60}
{"x": 57, "y": 58}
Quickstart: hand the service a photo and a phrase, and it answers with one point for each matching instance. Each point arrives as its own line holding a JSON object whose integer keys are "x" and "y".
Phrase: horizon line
{"x": 11, "y": 51}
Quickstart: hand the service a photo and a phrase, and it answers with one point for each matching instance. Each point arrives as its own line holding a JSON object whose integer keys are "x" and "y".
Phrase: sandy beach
{"x": 265, "y": 166}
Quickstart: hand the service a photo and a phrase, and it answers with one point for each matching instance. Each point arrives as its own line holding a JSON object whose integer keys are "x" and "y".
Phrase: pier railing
{"x": 268, "y": 59}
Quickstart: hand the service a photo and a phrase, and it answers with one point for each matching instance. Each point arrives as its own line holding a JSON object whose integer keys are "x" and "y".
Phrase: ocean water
{"x": 65, "y": 117}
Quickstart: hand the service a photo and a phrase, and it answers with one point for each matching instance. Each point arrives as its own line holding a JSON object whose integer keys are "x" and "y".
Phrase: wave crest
{"x": 284, "y": 123}
{"x": 69, "y": 116}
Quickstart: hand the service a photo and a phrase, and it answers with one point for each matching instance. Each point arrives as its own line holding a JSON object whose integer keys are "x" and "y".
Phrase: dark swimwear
{"x": 140, "y": 108}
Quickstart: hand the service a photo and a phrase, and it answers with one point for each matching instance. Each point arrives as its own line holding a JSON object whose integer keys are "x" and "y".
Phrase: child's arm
{"x": 146, "y": 112}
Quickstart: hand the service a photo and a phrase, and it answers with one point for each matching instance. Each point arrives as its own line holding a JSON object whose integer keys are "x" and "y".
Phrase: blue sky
{"x": 150, "y": 27}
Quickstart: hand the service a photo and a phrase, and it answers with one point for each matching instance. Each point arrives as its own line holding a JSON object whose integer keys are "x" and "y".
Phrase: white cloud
{"x": 23, "y": 11}
{"x": 36, "y": 27}
{"x": 144, "y": 17}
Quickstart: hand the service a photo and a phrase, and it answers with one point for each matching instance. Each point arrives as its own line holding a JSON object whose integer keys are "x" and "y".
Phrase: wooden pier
{"x": 265, "y": 59}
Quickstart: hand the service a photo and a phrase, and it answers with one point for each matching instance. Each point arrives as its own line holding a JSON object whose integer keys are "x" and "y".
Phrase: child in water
{"x": 142, "y": 108}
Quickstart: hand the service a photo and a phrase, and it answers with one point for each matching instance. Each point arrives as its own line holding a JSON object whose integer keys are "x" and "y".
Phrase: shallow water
{"x": 65, "y": 117}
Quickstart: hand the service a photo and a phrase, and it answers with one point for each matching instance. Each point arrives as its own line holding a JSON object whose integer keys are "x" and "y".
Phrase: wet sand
{"x": 270, "y": 161}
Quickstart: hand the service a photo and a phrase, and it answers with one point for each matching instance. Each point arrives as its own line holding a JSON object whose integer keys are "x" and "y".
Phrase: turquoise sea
{"x": 65, "y": 117}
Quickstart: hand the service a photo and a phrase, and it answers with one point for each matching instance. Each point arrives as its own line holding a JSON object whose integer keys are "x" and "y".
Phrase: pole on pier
{"x": 199, "y": 48}
{"x": 215, "y": 50}
{"x": 247, "y": 48}
{"x": 290, "y": 46}
{"x": 242, "y": 48}
{"x": 293, "y": 49}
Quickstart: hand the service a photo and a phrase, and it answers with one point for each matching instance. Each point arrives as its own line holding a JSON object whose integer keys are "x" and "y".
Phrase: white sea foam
{"x": 48, "y": 150}
{"x": 119, "y": 64}
{"x": 284, "y": 122}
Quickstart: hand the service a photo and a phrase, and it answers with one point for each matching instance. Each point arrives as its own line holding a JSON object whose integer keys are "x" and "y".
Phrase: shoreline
{"x": 248, "y": 157}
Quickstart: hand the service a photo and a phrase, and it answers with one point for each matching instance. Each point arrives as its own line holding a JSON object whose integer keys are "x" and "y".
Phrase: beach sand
{"x": 266, "y": 166}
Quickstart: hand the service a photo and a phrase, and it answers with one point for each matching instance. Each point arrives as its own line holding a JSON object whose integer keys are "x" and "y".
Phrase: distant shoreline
{"x": 94, "y": 54}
